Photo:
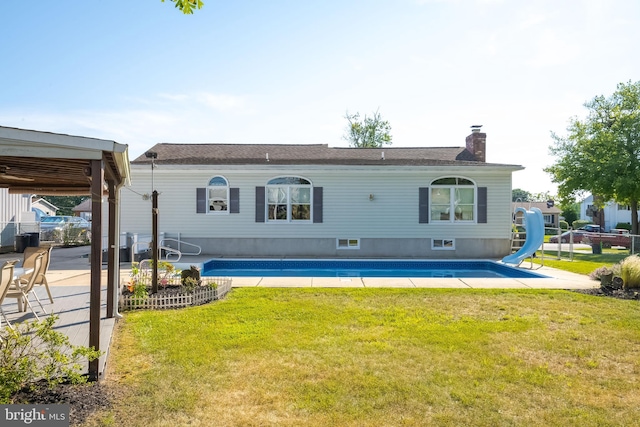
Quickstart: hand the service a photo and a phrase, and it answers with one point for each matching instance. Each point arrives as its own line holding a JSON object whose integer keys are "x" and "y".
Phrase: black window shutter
{"x": 201, "y": 200}
{"x": 234, "y": 200}
{"x": 317, "y": 204}
{"x": 423, "y": 205}
{"x": 482, "y": 205}
{"x": 260, "y": 204}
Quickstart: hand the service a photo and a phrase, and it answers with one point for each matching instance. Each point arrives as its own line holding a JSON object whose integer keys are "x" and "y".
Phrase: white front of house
{"x": 614, "y": 213}
{"x": 327, "y": 211}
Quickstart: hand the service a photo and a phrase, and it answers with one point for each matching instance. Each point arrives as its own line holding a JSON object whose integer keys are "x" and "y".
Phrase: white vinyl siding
{"x": 348, "y": 209}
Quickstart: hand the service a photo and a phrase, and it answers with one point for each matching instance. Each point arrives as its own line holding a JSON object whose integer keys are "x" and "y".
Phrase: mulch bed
{"x": 611, "y": 292}
{"x": 83, "y": 399}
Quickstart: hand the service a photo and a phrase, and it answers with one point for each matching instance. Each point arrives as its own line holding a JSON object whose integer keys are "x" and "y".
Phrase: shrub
{"x": 564, "y": 225}
{"x": 580, "y": 223}
{"x": 630, "y": 272}
{"x": 624, "y": 226}
{"x": 599, "y": 272}
{"x": 32, "y": 352}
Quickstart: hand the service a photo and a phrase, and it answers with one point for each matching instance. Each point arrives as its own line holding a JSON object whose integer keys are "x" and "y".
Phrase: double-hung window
{"x": 218, "y": 195}
{"x": 453, "y": 199}
{"x": 289, "y": 199}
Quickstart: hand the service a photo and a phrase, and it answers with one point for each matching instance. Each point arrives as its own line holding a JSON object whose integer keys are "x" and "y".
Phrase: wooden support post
{"x": 113, "y": 263}
{"x": 97, "y": 180}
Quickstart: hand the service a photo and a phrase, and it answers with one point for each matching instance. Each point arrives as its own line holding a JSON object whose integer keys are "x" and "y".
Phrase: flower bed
{"x": 172, "y": 295}
{"x": 176, "y": 289}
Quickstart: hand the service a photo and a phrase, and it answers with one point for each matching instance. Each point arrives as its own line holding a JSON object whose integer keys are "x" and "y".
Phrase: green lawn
{"x": 380, "y": 357}
{"x": 582, "y": 263}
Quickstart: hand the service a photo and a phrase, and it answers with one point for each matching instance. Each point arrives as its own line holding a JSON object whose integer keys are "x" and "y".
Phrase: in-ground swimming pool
{"x": 362, "y": 268}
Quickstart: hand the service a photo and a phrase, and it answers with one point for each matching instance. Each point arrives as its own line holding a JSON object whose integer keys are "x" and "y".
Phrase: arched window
{"x": 453, "y": 199}
{"x": 218, "y": 195}
{"x": 289, "y": 199}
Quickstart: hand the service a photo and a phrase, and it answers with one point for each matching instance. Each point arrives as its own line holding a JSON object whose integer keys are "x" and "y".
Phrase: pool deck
{"x": 69, "y": 280}
{"x": 557, "y": 279}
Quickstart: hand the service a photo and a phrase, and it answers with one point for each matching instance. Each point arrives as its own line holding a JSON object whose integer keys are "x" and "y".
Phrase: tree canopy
{"x": 187, "y": 6}
{"x": 520, "y": 195}
{"x": 371, "y": 132}
{"x": 601, "y": 153}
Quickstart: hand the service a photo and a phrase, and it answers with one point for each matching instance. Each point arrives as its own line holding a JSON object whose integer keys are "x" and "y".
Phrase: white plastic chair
{"x": 23, "y": 286}
{"x": 6, "y": 278}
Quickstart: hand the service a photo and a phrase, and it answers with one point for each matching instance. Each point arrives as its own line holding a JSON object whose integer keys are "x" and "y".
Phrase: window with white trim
{"x": 218, "y": 195}
{"x": 453, "y": 199}
{"x": 347, "y": 243}
{"x": 443, "y": 244}
{"x": 289, "y": 199}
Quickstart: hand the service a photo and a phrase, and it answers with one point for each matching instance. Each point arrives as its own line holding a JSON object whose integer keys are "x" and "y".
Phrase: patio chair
{"x": 6, "y": 278}
{"x": 29, "y": 256}
{"x": 23, "y": 286}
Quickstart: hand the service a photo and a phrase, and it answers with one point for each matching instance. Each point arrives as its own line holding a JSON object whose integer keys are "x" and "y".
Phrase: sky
{"x": 287, "y": 71}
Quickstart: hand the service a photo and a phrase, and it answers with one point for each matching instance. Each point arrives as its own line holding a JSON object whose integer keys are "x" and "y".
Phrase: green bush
{"x": 623, "y": 225}
{"x": 32, "y": 352}
{"x": 580, "y": 223}
{"x": 630, "y": 272}
{"x": 564, "y": 225}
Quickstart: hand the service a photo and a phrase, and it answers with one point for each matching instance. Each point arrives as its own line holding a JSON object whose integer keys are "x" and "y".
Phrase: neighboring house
{"x": 550, "y": 212}
{"x": 42, "y": 207}
{"x": 608, "y": 217}
{"x": 248, "y": 200}
{"x": 83, "y": 210}
{"x": 16, "y": 217}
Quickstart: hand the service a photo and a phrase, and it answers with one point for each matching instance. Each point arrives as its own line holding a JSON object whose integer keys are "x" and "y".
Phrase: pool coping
{"x": 556, "y": 279}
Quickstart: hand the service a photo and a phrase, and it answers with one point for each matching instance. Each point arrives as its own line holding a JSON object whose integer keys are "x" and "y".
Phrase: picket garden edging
{"x": 211, "y": 289}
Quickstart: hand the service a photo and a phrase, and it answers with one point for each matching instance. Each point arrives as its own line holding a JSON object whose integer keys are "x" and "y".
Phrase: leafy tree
{"x": 520, "y": 195}
{"x": 542, "y": 197}
{"x": 371, "y": 132}
{"x": 601, "y": 153}
{"x": 570, "y": 212}
{"x": 187, "y": 6}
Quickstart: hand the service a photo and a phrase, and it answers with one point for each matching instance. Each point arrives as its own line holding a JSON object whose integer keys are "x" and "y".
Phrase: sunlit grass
{"x": 370, "y": 357}
{"x": 582, "y": 263}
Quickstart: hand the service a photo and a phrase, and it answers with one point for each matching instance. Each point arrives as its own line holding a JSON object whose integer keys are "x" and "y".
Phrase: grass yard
{"x": 583, "y": 263}
{"x": 380, "y": 357}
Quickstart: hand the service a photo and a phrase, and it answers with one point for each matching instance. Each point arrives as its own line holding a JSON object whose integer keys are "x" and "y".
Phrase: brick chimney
{"x": 477, "y": 143}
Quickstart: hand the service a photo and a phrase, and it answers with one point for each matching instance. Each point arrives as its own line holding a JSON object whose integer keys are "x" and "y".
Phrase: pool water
{"x": 362, "y": 268}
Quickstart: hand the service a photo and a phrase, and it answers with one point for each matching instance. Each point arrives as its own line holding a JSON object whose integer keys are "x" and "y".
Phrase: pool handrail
{"x": 180, "y": 243}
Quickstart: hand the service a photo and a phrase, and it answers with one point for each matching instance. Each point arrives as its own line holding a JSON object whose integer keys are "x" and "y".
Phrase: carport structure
{"x": 43, "y": 163}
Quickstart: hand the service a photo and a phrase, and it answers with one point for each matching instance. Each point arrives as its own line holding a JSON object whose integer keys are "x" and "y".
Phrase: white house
{"x": 42, "y": 207}
{"x": 608, "y": 217}
{"x": 242, "y": 200}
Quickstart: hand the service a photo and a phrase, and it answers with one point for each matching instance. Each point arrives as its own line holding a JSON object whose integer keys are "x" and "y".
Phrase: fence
{"x": 566, "y": 243}
{"x": 9, "y": 231}
{"x": 211, "y": 289}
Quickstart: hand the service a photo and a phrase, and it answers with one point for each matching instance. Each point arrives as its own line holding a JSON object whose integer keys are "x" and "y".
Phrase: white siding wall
{"x": 12, "y": 209}
{"x": 347, "y": 210}
{"x": 12, "y": 206}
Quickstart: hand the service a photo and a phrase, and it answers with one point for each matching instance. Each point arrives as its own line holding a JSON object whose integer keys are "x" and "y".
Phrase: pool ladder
{"x": 170, "y": 251}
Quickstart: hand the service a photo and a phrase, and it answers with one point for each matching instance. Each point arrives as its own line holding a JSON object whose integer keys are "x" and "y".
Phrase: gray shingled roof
{"x": 317, "y": 154}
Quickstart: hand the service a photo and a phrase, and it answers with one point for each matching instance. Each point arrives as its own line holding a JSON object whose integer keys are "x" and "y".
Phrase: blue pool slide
{"x": 534, "y": 224}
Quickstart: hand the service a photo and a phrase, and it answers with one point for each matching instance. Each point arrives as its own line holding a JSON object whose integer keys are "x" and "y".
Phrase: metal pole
{"x": 154, "y": 240}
